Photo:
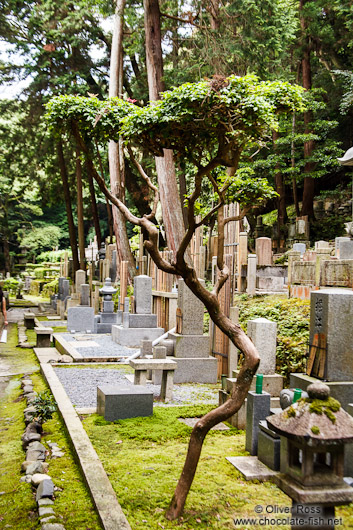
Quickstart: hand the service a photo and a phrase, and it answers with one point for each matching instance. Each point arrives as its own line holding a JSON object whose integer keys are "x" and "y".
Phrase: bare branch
{"x": 189, "y": 20}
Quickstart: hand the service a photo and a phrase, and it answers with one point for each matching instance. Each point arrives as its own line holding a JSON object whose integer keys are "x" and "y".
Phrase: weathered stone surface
{"x": 48, "y": 519}
{"x": 28, "y": 389}
{"x": 85, "y": 294}
{"x": 35, "y": 451}
{"x": 263, "y": 333}
{"x": 331, "y": 314}
{"x": 45, "y": 501}
{"x": 258, "y": 408}
{"x": 80, "y": 278}
{"x": 268, "y": 446}
{"x": 263, "y": 250}
{"x": 80, "y": 318}
{"x": 43, "y": 510}
{"x": 35, "y": 467}
{"x": 194, "y": 346}
{"x": 142, "y": 321}
{"x": 132, "y": 338}
{"x": 37, "y": 478}
{"x": 196, "y": 370}
{"x": 192, "y": 310}
{"x": 143, "y": 294}
{"x": 53, "y": 526}
{"x": 66, "y": 359}
{"x": 251, "y": 468}
{"x": 45, "y": 489}
{"x": 251, "y": 274}
{"x": 25, "y": 382}
{"x": 26, "y": 478}
{"x": 116, "y": 402}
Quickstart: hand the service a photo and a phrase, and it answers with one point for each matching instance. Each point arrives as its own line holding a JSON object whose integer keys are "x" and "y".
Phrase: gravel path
{"x": 106, "y": 347}
{"x": 81, "y": 386}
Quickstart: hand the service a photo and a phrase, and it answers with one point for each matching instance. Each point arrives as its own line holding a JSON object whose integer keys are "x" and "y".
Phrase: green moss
{"x": 141, "y": 469}
{"x": 328, "y": 407}
{"x": 315, "y": 429}
{"x": 291, "y": 412}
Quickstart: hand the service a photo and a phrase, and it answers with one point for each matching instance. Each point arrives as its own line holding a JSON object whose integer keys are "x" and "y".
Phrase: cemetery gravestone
{"x": 263, "y": 249}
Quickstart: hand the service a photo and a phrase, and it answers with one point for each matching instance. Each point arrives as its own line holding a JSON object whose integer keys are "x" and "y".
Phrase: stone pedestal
{"x": 263, "y": 333}
{"x": 268, "y": 446}
{"x": 251, "y": 275}
{"x": 116, "y": 402}
{"x": 258, "y": 408}
{"x": 80, "y": 318}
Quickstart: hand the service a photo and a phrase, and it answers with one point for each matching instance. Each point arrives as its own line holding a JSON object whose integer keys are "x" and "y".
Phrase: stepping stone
{"x": 251, "y": 468}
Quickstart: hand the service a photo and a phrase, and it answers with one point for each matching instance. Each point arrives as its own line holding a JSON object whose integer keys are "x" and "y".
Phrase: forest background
{"x": 47, "y": 197}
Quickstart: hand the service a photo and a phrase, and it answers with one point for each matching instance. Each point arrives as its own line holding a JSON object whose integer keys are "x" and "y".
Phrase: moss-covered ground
{"x": 18, "y": 510}
{"x": 144, "y": 457}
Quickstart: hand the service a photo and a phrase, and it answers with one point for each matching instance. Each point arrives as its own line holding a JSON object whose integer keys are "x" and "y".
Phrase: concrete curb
{"x": 103, "y": 495}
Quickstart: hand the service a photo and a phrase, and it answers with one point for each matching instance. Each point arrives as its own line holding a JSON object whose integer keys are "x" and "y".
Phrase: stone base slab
{"x": 116, "y": 402}
{"x": 196, "y": 370}
{"x": 340, "y": 390}
{"x": 142, "y": 321}
{"x": 132, "y": 337}
{"x": 273, "y": 384}
{"x": 194, "y": 346}
{"x": 251, "y": 468}
{"x": 332, "y": 496}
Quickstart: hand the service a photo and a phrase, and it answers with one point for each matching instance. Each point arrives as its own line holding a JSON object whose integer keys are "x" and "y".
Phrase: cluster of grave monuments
{"x": 300, "y": 437}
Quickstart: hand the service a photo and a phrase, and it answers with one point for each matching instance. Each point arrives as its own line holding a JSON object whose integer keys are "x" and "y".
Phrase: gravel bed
{"x": 107, "y": 347}
{"x": 81, "y": 384}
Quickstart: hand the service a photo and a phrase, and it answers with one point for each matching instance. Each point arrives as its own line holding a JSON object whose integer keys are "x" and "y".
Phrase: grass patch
{"x": 144, "y": 457}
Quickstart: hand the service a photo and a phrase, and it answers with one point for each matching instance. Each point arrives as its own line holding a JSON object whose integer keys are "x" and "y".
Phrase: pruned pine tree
{"x": 208, "y": 124}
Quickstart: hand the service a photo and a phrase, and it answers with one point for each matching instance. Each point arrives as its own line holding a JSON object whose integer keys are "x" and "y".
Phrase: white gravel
{"x": 81, "y": 386}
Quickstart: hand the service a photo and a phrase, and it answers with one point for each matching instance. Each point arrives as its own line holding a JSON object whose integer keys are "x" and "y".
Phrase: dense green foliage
{"x": 292, "y": 317}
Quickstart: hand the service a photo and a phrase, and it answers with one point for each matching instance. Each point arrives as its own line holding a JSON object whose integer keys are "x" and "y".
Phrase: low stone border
{"x": 34, "y": 466}
{"x": 109, "y": 510}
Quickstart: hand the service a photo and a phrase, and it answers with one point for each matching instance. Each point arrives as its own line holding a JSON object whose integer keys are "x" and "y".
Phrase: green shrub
{"x": 50, "y": 288}
{"x": 12, "y": 285}
{"x": 45, "y": 406}
{"x": 292, "y": 317}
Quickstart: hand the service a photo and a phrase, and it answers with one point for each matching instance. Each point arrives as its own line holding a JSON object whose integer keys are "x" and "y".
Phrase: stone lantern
{"x": 102, "y": 252}
{"x": 313, "y": 433}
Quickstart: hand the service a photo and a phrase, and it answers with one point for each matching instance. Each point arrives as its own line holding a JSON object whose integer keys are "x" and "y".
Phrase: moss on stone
{"x": 328, "y": 406}
{"x": 291, "y": 412}
{"x": 315, "y": 429}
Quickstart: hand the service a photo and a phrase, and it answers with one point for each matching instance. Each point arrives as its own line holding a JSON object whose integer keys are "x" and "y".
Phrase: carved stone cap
{"x": 318, "y": 391}
{"x": 316, "y": 420}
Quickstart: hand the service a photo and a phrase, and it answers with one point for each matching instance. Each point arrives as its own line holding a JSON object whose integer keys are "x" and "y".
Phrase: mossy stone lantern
{"x": 314, "y": 431}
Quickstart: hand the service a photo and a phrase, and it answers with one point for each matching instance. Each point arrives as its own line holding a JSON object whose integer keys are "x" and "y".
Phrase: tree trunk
{"x": 110, "y": 220}
{"x": 68, "y": 204}
{"x": 281, "y": 199}
{"x": 168, "y": 188}
{"x": 309, "y": 184}
{"x": 7, "y": 254}
{"x": 94, "y": 209}
{"x": 80, "y": 225}
{"x": 116, "y": 155}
